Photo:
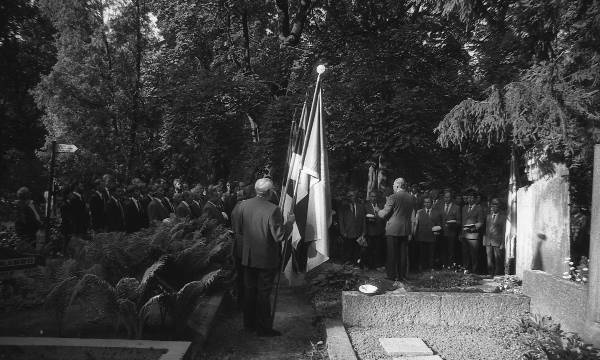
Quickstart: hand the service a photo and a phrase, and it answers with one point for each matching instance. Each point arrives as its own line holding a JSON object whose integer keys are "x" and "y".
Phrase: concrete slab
{"x": 338, "y": 343}
{"x": 405, "y": 347}
{"x": 176, "y": 350}
{"x": 426, "y": 357}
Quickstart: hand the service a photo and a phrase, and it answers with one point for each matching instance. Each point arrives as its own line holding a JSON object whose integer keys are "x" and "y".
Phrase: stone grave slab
{"x": 424, "y": 357}
{"x": 405, "y": 347}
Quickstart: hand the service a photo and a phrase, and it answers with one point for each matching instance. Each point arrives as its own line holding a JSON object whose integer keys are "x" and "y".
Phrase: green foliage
{"x": 547, "y": 341}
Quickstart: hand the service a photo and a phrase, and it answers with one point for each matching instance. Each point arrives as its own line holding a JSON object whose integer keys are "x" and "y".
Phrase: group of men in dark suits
{"x": 444, "y": 231}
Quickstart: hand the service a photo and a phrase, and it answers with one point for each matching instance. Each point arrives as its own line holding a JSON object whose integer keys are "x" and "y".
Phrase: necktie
{"x": 428, "y": 210}
{"x": 494, "y": 218}
{"x": 447, "y": 208}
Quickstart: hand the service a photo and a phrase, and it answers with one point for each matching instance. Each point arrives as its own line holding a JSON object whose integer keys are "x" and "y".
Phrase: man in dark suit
{"x": 156, "y": 209}
{"x": 351, "y": 219}
{"x": 451, "y": 220}
{"x": 259, "y": 225}
{"x": 195, "y": 204}
{"x": 374, "y": 232}
{"x": 132, "y": 210}
{"x": 97, "y": 203}
{"x": 183, "y": 209}
{"x": 78, "y": 211}
{"x": 426, "y": 229}
{"x": 143, "y": 200}
{"x": 114, "y": 210}
{"x": 493, "y": 239}
{"x": 472, "y": 222}
{"x": 213, "y": 208}
{"x": 398, "y": 210}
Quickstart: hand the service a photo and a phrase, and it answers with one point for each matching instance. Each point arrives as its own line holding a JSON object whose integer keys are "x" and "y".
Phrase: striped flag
{"x": 307, "y": 194}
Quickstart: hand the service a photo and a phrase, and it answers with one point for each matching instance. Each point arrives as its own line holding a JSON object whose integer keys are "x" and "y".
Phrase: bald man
{"x": 398, "y": 211}
{"x": 259, "y": 229}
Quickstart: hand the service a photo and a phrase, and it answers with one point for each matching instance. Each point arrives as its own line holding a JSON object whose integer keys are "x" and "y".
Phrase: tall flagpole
{"x": 287, "y": 241}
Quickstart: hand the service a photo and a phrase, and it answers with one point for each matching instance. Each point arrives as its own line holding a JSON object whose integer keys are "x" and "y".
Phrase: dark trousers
{"x": 396, "y": 256}
{"x": 371, "y": 255}
{"x": 470, "y": 251}
{"x": 351, "y": 249}
{"x": 258, "y": 284}
{"x": 239, "y": 281}
{"x": 494, "y": 260}
{"x": 449, "y": 245}
{"x": 425, "y": 255}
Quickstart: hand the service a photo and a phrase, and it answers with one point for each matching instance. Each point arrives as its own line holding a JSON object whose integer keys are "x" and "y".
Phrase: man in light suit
{"x": 423, "y": 232}
{"x": 472, "y": 222}
{"x": 493, "y": 239}
{"x": 258, "y": 224}
{"x": 451, "y": 220}
{"x": 398, "y": 211}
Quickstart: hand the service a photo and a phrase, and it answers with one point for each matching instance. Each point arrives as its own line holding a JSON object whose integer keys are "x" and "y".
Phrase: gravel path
{"x": 451, "y": 343}
{"x": 295, "y": 318}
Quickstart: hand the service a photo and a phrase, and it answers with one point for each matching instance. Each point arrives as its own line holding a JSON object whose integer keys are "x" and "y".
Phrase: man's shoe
{"x": 268, "y": 333}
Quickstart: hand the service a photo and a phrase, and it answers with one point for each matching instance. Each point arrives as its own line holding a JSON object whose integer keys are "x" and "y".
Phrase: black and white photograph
{"x": 299, "y": 179}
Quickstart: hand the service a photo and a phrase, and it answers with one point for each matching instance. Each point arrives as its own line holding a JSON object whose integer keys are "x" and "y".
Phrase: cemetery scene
{"x": 300, "y": 179}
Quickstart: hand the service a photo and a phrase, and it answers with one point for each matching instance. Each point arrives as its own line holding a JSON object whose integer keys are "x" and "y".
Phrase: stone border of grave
{"x": 176, "y": 350}
{"x": 201, "y": 321}
{"x": 432, "y": 308}
{"x": 339, "y": 346}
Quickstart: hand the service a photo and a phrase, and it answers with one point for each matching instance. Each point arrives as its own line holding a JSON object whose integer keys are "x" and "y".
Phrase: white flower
{"x": 584, "y": 279}
{"x": 585, "y": 269}
{"x": 570, "y": 263}
{"x": 578, "y": 279}
{"x": 566, "y": 273}
{"x": 566, "y": 277}
{"x": 567, "y": 258}
{"x": 571, "y": 268}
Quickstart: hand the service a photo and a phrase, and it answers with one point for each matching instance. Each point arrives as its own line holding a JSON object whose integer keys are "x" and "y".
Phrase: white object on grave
{"x": 405, "y": 347}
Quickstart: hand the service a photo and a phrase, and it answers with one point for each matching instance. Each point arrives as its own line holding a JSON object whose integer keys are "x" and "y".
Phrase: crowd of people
{"x": 108, "y": 206}
{"x": 417, "y": 229}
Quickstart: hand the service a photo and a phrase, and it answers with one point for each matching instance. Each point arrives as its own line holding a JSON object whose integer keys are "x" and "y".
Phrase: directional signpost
{"x": 66, "y": 148}
{"x": 54, "y": 148}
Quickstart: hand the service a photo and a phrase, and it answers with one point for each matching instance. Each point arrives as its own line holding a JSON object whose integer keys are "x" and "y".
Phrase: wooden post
{"x": 50, "y": 200}
{"x": 592, "y": 324}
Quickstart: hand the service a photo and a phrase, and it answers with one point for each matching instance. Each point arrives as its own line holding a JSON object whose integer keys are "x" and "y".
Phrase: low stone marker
{"x": 425, "y": 357}
{"x": 405, "y": 347}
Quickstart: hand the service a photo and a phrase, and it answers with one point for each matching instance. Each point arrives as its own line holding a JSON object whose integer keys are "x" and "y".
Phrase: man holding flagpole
{"x": 259, "y": 228}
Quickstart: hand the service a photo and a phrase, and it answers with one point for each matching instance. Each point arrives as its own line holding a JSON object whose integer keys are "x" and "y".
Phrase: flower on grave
{"x": 570, "y": 263}
{"x": 567, "y": 277}
{"x": 578, "y": 279}
{"x": 567, "y": 258}
{"x": 566, "y": 273}
{"x": 584, "y": 279}
{"x": 585, "y": 269}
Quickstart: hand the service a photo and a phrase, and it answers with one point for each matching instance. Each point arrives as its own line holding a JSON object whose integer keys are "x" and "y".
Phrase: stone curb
{"x": 432, "y": 308}
{"x": 338, "y": 343}
{"x": 176, "y": 350}
{"x": 201, "y": 320}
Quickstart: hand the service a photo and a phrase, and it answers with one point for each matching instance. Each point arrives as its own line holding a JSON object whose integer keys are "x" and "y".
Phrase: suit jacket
{"x": 351, "y": 221}
{"x": 143, "y": 201}
{"x": 114, "y": 215}
{"x": 495, "y": 230}
{"x": 452, "y": 229}
{"x": 28, "y": 220}
{"x": 259, "y": 224}
{"x": 98, "y": 220}
{"x": 183, "y": 210}
{"x": 374, "y": 226}
{"x": 472, "y": 216}
{"x": 132, "y": 215}
{"x": 214, "y": 211}
{"x": 237, "y": 228}
{"x": 80, "y": 216}
{"x": 157, "y": 211}
{"x": 398, "y": 211}
{"x": 167, "y": 204}
{"x": 424, "y": 223}
{"x": 195, "y": 208}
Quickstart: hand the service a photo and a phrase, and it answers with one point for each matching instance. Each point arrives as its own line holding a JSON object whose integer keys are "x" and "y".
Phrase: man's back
{"x": 261, "y": 228}
{"x": 398, "y": 210}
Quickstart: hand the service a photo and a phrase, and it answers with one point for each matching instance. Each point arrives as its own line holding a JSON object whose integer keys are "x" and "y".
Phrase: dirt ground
{"x": 295, "y": 318}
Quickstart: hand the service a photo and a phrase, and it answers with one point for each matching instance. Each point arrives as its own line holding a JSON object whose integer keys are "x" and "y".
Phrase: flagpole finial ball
{"x": 321, "y": 69}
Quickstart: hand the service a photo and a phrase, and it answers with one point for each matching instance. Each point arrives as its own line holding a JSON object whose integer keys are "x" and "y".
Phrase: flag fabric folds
{"x": 306, "y": 192}
{"x": 511, "y": 216}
